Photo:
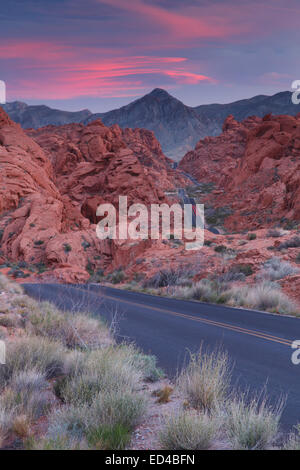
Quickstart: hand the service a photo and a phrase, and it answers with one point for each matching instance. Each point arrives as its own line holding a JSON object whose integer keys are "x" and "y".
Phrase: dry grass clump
{"x": 8, "y": 286}
{"x": 33, "y": 352}
{"x": 252, "y": 424}
{"x": 73, "y": 330}
{"x": 239, "y": 421}
{"x": 291, "y": 243}
{"x": 275, "y": 269}
{"x": 163, "y": 395}
{"x": 189, "y": 431}
{"x": 98, "y": 411}
{"x": 204, "y": 291}
{"x": 275, "y": 233}
{"x": 264, "y": 296}
{"x": 293, "y": 441}
{"x": 70, "y": 359}
{"x": 113, "y": 368}
{"x": 6, "y": 418}
{"x": 205, "y": 380}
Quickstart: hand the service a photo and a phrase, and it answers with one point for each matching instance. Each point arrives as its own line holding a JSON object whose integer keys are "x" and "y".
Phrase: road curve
{"x": 258, "y": 343}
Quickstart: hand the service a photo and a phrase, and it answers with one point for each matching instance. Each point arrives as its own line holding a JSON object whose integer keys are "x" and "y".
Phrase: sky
{"x": 102, "y": 54}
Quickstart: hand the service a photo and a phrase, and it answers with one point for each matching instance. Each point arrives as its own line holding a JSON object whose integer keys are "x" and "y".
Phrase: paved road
{"x": 259, "y": 344}
{"x": 195, "y": 218}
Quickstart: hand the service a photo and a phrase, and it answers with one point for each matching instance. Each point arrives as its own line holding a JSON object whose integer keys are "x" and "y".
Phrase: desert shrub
{"x": 39, "y": 242}
{"x": 252, "y": 425}
{"x": 104, "y": 437}
{"x": 40, "y": 267}
{"x": 245, "y": 269}
{"x": 32, "y": 404}
{"x": 217, "y": 216}
{"x": 17, "y": 273}
{"x": 57, "y": 443}
{"x": 113, "y": 368}
{"x": 252, "y": 236}
{"x": 138, "y": 277}
{"x": 21, "y": 426}
{"x": 205, "y": 380}
{"x": 231, "y": 276}
{"x": 292, "y": 243}
{"x": 275, "y": 233}
{"x": 74, "y": 330}
{"x": 147, "y": 364}
{"x": 6, "y": 419}
{"x": 188, "y": 431}
{"x": 28, "y": 381}
{"x": 163, "y": 278}
{"x": 96, "y": 276}
{"x": 67, "y": 248}
{"x": 117, "y": 408}
{"x": 27, "y": 353}
{"x": 9, "y": 320}
{"x": 117, "y": 276}
{"x": 264, "y": 296}
{"x": 85, "y": 244}
{"x": 275, "y": 269}
{"x": 293, "y": 441}
{"x": 69, "y": 422}
{"x": 204, "y": 291}
{"x": 105, "y": 424}
{"x": 298, "y": 258}
{"x": 220, "y": 249}
{"x": 10, "y": 287}
{"x": 289, "y": 224}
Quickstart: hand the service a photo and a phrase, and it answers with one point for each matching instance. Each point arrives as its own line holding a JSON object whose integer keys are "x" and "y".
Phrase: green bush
{"x": 67, "y": 248}
{"x": 252, "y": 236}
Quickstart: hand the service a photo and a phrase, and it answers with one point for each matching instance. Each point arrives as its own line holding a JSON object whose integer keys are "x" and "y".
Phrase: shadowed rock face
{"x": 255, "y": 166}
{"x": 52, "y": 181}
{"x": 176, "y": 126}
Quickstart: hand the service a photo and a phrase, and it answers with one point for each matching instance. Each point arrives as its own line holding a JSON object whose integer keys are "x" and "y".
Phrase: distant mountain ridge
{"x": 177, "y": 127}
{"x": 36, "y": 116}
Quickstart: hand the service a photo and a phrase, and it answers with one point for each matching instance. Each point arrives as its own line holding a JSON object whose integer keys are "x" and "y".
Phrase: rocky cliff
{"x": 255, "y": 168}
{"x": 53, "y": 179}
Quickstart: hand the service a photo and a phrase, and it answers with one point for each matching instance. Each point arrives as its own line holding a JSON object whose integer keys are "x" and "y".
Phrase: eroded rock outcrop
{"x": 255, "y": 166}
{"x": 52, "y": 181}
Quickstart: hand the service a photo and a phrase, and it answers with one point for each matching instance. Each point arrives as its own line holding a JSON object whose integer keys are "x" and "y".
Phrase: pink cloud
{"x": 61, "y": 73}
{"x": 42, "y": 51}
{"x": 188, "y": 77}
{"x": 180, "y": 24}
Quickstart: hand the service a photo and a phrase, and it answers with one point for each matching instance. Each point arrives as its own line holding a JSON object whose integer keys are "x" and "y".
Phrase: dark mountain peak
{"x": 159, "y": 92}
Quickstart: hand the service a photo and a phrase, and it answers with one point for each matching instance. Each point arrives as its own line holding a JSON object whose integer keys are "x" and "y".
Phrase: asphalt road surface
{"x": 259, "y": 344}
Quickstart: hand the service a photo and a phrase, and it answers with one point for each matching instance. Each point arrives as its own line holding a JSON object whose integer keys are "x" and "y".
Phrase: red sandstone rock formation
{"x": 52, "y": 181}
{"x": 256, "y": 168}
